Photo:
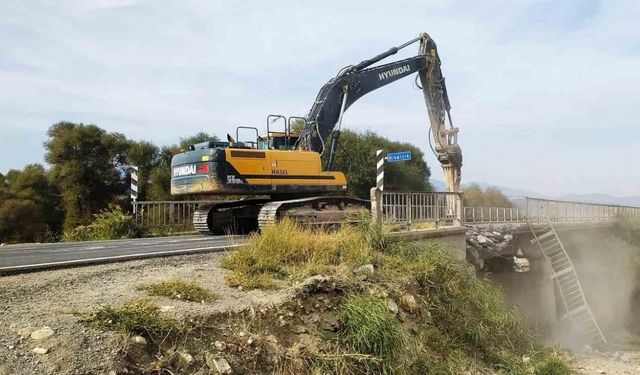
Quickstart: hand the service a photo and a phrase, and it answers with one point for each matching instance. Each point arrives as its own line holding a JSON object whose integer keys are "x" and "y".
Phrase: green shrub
{"x": 460, "y": 305}
{"x": 553, "y": 365}
{"x": 112, "y": 224}
{"x": 368, "y": 327}
{"x": 79, "y": 233}
{"x": 139, "y": 317}
{"x": 178, "y": 289}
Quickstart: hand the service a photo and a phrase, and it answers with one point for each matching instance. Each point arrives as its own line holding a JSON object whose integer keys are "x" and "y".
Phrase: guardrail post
{"x": 376, "y": 204}
{"x": 409, "y": 211}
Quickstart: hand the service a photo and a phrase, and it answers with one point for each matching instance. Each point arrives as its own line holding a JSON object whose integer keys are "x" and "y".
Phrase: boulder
{"x": 393, "y": 306}
{"x": 137, "y": 349}
{"x": 408, "y": 302}
{"x": 299, "y": 329}
{"x": 39, "y": 350}
{"x": 219, "y": 345}
{"x": 42, "y": 334}
{"x": 167, "y": 308}
{"x": 366, "y": 269}
{"x": 520, "y": 264}
{"x": 183, "y": 360}
{"x": 220, "y": 365}
{"x": 481, "y": 239}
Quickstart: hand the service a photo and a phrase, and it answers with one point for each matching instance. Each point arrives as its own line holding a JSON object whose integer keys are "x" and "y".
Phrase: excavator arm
{"x": 336, "y": 96}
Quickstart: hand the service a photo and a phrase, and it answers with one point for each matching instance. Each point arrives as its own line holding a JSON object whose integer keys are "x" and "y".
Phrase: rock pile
{"x": 493, "y": 248}
{"x": 490, "y": 239}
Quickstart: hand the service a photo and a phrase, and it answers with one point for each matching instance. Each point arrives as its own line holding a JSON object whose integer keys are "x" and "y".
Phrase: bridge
{"x": 412, "y": 215}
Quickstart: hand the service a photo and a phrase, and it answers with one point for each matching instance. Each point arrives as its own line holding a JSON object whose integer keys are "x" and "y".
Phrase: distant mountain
{"x": 510, "y": 192}
{"x": 602, "y": 198}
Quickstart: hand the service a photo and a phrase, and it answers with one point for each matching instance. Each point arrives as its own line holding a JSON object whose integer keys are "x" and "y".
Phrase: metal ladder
{"x": 565, "y": 276}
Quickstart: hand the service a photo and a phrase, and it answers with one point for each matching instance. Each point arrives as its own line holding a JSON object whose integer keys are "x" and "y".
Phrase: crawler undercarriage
{"x": 247, "y": 215}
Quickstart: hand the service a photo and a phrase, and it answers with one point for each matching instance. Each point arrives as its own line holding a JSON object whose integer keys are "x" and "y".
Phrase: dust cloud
{"x": 609, "y": 270}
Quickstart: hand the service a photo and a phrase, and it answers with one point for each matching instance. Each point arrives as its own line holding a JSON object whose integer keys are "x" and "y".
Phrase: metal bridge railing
{"x": 494, "y": 215}
{"x": 407, "y": 208}
{"x": 444, "y": 209}
{"x": 538, "y": 210}
{"x": 166, "y": 214}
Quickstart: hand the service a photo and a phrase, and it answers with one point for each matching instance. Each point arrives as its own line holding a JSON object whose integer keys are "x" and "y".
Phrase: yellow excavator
{"x": 281, "y": 173}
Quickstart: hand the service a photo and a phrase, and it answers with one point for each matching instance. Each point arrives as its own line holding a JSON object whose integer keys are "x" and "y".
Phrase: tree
{"x": 4, "y": 188}
{"x": 160, "y": 175}
{"x": 34, "y": 184}
{"x": 356, "y": 158}
{"x": 146, "y": 156}
{"x": 21, "y": 221}
{"x": 87, "y": 164}
{"x": 30, "y": 207}
{"x": 474, "y": 196}
{"x": 196, "y": 138}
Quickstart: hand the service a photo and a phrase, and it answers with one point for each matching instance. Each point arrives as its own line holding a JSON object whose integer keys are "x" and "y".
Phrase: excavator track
{"x": 225, "y": 217}
{"x": 315, "y": 211}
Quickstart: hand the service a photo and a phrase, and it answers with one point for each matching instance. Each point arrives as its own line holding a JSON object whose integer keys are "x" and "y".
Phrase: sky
{"x": 544, "y": 92}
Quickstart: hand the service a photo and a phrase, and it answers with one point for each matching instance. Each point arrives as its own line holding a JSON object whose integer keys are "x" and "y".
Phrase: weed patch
{"x": 553, "y": 365}
{"x": 368, "y": 327}
{"x": 139, "y": 317}
{"x": 111, "y": 224}
{"x": 178, "y": 289}
{"x": 289, "y": 250}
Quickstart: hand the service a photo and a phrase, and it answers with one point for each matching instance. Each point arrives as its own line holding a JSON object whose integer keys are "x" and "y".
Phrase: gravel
{"x": 48, "y": 300}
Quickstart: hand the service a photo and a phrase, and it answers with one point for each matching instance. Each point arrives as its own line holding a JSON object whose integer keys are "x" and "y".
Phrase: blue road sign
{"x": 395, "y": 157}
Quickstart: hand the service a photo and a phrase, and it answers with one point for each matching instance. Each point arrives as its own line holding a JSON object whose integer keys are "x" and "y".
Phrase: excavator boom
{"x": 353, "y": 82}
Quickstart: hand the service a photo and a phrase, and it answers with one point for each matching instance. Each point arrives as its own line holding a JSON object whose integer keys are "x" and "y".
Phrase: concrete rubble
{"x": 492, "y": 248}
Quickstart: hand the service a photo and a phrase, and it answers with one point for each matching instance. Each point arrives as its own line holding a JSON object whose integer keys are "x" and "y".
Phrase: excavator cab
{"x": 277, "y": 141}
{"x": 271, "y": 140}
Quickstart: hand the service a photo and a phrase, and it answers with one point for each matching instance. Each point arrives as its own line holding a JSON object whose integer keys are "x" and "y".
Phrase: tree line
{"x": 89, "y": 171}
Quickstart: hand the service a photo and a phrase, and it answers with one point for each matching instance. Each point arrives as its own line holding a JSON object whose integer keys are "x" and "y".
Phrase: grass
{"x": 178, "y": 289}
{"x": 368, "y": 327}
{"x": 553, "y": 365}
{"x": 139, "y": 317}
{"x": 287, "y": 250}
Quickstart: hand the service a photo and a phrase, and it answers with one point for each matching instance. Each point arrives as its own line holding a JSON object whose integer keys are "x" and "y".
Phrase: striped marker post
{"x": 134, "y": 186}
{"x": 379, "y": 170}
{"x": 376, "y": 192}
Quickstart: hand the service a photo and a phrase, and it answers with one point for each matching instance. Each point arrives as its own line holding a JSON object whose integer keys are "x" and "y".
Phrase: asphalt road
{"x": 26, "y": 257}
